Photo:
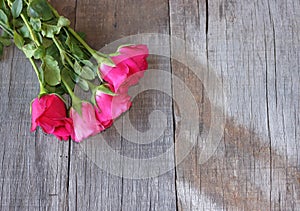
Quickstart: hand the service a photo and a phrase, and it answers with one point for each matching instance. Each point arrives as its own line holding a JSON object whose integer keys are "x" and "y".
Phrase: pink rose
{"x": 111, "y": 107}
{"x": 132, "y": 60}
{"x": 86, "y": 124}
{"x": 49, "y": 112}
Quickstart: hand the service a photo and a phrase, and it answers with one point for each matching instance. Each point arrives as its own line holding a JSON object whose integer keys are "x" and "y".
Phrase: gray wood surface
{"x": 253, "y": 46}
{"x": 98, "y": 189}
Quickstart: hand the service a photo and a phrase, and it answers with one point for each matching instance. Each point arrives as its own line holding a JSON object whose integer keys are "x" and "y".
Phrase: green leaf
{"x": 77, "y": 68}
{"x": 72, "y": 75}
{"x": 36, "y": 24}
{"x": 29, "y": 50}
{"x": 87, "y": 73}
{"x": 62, "y": 21}
{"x": 53, "y": 51}
{"x": 59, "y": 90}
{"x": 106, "y": 90}
{"x": 67, "y": 78}
{"x": 16, "y": 8}
{"x": 84, "y": 72}
{"x": 63, "y": 57}
{"x": 24, "y": 32}
{"x": 88, "y": 63}
{"x": 74, "y": 47}
{"x": 83, "y": 84}
{"x": 18, "y": 39}
{"x": 5, "y": 41}
{"x": 39, "y": 37}
{"x": 39, "y": 9}
{"x": 49, "y": 30}
{"x": 5, "y": 34}
{"x": 17, "y": 23}
{"x": 51, "y": 71}
{"x": 4, "y": 7}
{"x": 91, "y": 65}
{"x": 39, "y": 52}
{"x": 47, "y": 42}
{"x": 3, "y": 17}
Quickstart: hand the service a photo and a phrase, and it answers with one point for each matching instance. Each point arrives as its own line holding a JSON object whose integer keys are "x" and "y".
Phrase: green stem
{"x": 74, "y": 98}
{"x": 76, "y": 101}
{"x": 33, "y": 36}
{"x": 53, "y": 10}
{"x": 100, "y": 57}
{"x": 70, "y": 91}
{"x": 9, "y": 2}
{"x": 42, "y": 89}
{"x": 27, "y": 3}
{"x": 96, "y": 55}
{"x": 62, "y": 52}
{"x": 7, "y": 30}
{"x": 69, "y": 61}
{"x": 25, "y": 21}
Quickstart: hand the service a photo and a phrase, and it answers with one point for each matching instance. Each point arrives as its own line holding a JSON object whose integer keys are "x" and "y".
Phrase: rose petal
{"x": 85, "y": 125}
{"x": 49, "y": 112}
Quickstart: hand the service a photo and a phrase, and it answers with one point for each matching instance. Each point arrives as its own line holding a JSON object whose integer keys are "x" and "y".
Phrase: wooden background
{"x": 253, "y": 46}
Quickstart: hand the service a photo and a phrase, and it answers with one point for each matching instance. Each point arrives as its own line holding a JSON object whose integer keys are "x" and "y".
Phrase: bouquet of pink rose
{"x": 62, "y": 59}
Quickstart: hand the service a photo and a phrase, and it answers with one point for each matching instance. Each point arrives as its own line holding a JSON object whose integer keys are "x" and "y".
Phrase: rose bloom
{"x": 132, "y": 60}
{"x": 130, "y": 66}
{"x": 50, "y": 113}
{"x": 85, "y": 124}
{"x": 111, "y": 107}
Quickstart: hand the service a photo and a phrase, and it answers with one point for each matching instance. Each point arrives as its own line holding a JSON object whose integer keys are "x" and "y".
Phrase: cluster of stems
{"x": 59, "y": 55}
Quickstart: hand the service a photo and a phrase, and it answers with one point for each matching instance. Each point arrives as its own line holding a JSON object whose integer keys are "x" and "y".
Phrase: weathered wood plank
{"x": 34, "y": 167}
{"x": 91, "y": 187}
{"x": 254, "y": 47}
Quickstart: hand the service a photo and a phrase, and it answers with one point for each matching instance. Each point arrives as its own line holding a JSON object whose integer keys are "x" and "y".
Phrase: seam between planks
{"x": 70, "y": 144}
{"x": 173, "y": 109}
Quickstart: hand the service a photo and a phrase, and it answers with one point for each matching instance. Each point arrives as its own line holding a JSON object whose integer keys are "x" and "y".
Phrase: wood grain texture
{"x": 34, "y": 167}
{"x": 91, "y": 187}
{"x": 253, "y": 46}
